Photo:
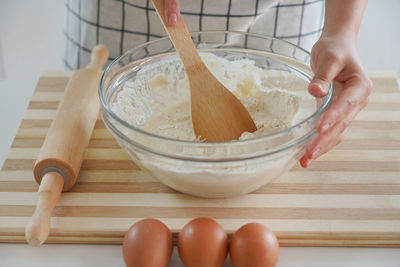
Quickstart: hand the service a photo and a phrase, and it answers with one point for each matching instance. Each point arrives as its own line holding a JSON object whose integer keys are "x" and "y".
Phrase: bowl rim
{"x": 326, "y": 104}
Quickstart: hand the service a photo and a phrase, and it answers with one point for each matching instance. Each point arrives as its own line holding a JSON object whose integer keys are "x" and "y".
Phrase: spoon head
{"x": 217, "y": 114}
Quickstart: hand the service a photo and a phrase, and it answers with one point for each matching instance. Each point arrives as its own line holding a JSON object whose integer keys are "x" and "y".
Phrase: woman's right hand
{"x": 172, "y": 12}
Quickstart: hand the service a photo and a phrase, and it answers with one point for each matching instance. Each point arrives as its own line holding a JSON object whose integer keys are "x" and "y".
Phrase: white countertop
{"x": 111, "y": 255}
{"x": 15, "y": 97}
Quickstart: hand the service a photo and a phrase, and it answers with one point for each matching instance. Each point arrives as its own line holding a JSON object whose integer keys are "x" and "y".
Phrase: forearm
{"x": 343, "y": 17}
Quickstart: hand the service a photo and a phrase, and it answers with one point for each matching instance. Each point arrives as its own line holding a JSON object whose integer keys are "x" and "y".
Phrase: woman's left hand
{"x": 336, "y": 58}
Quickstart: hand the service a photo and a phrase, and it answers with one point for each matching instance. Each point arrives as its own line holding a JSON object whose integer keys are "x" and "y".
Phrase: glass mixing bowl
{"x": 217, "y": 169}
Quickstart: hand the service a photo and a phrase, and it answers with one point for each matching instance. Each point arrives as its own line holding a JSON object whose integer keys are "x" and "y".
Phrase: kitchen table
{"x": 15, "y": 97}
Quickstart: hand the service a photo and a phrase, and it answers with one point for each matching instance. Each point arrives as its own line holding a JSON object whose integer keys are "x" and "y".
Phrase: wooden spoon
{"x": 217, "y": 115}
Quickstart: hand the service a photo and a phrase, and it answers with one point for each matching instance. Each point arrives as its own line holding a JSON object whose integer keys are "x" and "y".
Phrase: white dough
{"x": 169, "y": 115}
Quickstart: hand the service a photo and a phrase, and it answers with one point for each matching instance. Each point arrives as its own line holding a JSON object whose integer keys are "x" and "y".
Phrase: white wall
{"x": 31, "y": 37}
{"x": 379, "y": 37}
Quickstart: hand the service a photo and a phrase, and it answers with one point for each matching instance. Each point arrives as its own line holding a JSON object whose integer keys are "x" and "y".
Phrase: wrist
{"x": 344, "y": 34}
{"x": 340, "y": 29}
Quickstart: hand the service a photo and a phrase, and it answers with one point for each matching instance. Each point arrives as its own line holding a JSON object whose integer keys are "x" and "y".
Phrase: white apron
{"x": 122, "y": 25}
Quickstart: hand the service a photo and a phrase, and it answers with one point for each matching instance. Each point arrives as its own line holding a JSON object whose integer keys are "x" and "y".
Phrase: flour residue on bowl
{"x": 158, "y": 99}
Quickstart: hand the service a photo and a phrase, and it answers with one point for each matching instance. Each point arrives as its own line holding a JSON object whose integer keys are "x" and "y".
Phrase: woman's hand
{"x": 172, "y": 12}
{"x": 335, "y": 57}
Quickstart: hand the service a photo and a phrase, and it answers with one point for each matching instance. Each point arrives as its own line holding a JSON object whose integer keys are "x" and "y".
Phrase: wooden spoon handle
{"x": 181, "y": 39}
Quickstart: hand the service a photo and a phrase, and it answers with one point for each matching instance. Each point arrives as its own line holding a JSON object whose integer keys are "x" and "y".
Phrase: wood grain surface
{"x": 348, "y": 197}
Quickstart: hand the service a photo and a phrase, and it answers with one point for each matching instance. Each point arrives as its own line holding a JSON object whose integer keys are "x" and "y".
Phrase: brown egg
{"x": 148, "y": 243}
{"x": 203, "y": 243}
{"x": 254, "y": 245}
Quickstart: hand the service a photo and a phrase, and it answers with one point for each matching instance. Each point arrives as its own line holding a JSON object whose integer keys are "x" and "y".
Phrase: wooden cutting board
{"x": 349, "y": 197}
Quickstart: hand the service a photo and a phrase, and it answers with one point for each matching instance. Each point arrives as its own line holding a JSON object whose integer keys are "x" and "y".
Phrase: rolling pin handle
{"x": 49, "y": 193}
{"x": 53, "y": 169}
{"x": 98, "y": 58}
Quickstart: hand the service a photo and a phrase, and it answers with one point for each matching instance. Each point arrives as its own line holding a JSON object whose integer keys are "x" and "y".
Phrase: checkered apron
{"x": 124, "y": 24}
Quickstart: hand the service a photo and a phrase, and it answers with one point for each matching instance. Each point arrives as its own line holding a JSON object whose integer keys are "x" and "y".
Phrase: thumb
{"x": 327, "y": 67}
{"x": 172, "y": 11}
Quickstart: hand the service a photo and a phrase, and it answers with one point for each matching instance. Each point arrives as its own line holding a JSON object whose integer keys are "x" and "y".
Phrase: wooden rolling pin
{"x": 61, "y": 156}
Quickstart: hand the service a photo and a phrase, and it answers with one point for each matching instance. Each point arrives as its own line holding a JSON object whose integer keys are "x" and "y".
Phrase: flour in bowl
{"x": 158, "y": 100}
